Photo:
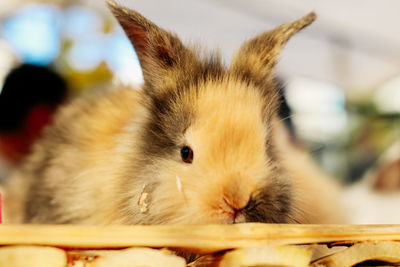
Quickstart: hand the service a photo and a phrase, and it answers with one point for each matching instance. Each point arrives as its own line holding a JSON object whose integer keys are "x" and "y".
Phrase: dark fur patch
{"x": 170, "y": 115}
{"x": 272, "y": 204}
{"x": 165, "y": 125}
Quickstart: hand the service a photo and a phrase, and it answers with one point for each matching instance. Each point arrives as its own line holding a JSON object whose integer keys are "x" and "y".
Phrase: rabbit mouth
{"x": 258, "y": 212}
{"x": 234, "y": 217}
{"x": 267, "y": 206}
{"x": 233, "y": 214}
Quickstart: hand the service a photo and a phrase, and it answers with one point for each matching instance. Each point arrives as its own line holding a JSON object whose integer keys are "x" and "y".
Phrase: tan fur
{"x": 316, "y": 194}
{"x": 98, "y": 124}
{"x": 114, "y": 157}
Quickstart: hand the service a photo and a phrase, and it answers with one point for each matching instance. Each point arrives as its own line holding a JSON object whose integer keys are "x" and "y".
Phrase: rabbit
{"x": 198, "y": 143}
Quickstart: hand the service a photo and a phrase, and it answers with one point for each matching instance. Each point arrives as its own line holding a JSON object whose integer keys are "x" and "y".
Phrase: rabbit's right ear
{"x": 256, "y": 59}
{"x": 162, "y": 55}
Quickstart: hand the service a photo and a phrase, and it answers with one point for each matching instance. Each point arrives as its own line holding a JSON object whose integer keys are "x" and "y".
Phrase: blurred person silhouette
{"x": 28, "y": 100}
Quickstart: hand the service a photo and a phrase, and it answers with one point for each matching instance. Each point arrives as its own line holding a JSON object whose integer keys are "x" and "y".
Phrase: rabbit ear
{"x": 256, "y": 59}
{"x": 158, "y": 50}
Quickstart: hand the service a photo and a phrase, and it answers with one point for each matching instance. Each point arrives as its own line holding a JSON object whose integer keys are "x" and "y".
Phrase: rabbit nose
{"x": 236, "y": 193}
{"x": 236, "y": 203}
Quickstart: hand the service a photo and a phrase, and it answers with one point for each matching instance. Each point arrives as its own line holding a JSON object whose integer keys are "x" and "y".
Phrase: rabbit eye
{"x": 187, "y": 154}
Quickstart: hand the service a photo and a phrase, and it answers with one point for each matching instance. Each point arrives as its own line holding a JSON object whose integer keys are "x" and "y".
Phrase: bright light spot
{"x": 34, "y": 33}
{"x": 86, "y": 55}
{"x": 318, "y": 109}
{"x": 130, "y": 75}
{"x": 123, "y": 61}
{"x": 387, "y": 96}
{"x": 309, "y": 95}
{"x": 80, "y": 21}
{"x": 323, "y": 127}
{"x": 8, "y": 60}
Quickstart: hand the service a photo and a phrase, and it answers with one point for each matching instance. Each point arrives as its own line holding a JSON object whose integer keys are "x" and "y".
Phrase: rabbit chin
{"x": 191, "y": 216}
{"x": 233, "y": 218}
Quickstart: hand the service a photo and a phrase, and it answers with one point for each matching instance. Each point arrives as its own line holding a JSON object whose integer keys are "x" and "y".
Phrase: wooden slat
{"x": 387, "y": 251}
{"x": 198, "y": 239}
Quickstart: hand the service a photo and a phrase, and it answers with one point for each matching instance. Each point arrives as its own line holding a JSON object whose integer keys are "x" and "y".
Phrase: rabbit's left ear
{"x": 162, "y": 55}
{"x": 256, "y": 59}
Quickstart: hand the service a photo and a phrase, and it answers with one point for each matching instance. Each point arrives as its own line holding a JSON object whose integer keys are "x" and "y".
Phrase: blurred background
{"x": 341, "y": 76}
